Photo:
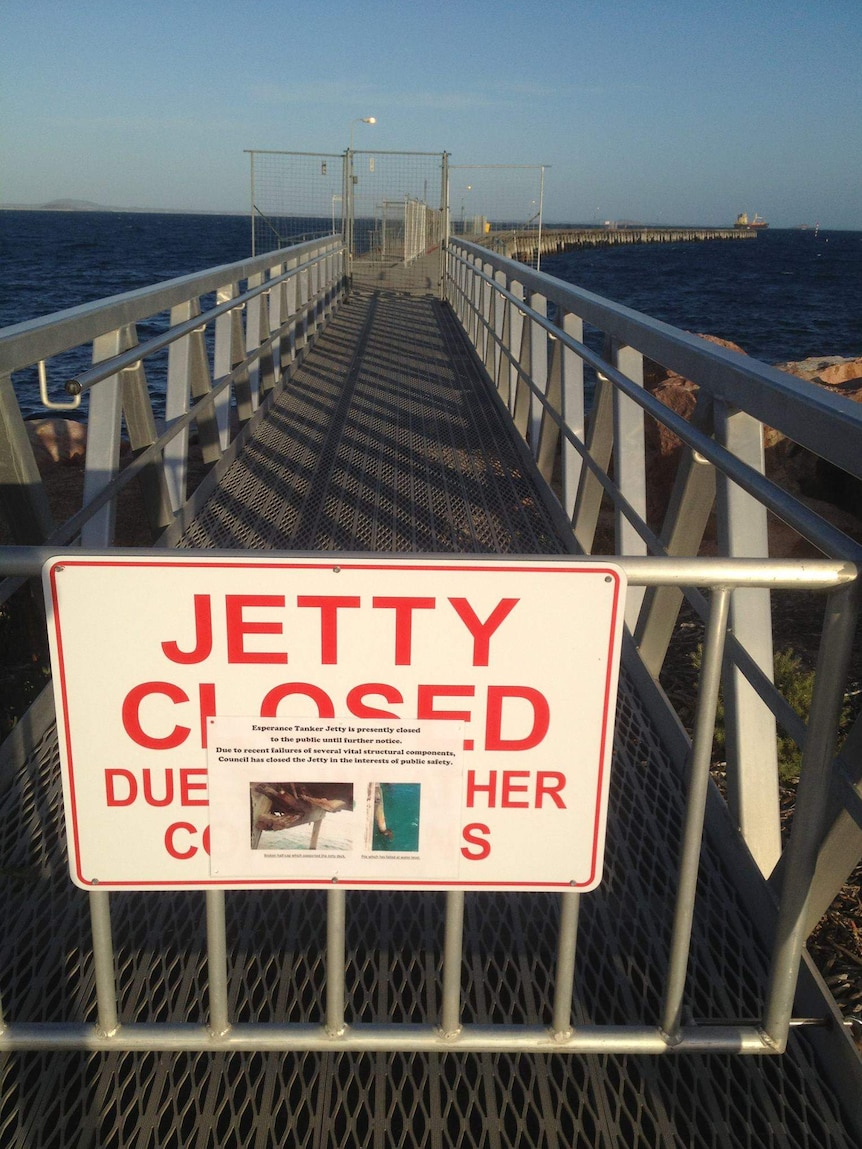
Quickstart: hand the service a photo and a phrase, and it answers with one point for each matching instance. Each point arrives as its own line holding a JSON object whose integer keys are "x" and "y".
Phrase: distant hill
{"x": 59, "y": 205}
{"x": 73, "y": 205}
{"x": 88, "y": 205}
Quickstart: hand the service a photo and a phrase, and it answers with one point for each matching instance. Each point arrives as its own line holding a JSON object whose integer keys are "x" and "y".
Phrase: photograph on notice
{"x": 395, "y": 821}
{"x": 300, "y": 815}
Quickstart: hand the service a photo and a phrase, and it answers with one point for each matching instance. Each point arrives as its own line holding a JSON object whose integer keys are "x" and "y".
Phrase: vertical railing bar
{"x": 217, "y": 962}
{"x": 103, "y": 962}
{"x": 538, "y": 369}
{"x": 336, "y": 918}
{"x": 450, "y": 1021}
{"x": 222, "y": 363}
{"x": 177, "y": 393}
{"x": 103, "y": 438}
{"x": 252, "y": 339}
{"x": 750, "y": 747}
{"x": 572, "y": 410}
{"x": 812, "y": 798}
{"x": 516, "y": 337}
{"x": 564, "y": 986}
{"x": 698, "y": 784}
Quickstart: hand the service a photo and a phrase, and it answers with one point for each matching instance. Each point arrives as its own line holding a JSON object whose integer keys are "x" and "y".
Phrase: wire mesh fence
{"x": 295, "y": 196}
{"x": 398, "y": 218}
{"x": 391, "y": 207}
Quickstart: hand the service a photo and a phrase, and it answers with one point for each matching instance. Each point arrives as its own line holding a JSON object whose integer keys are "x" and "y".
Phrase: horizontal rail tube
{"x": 105, "y": 368}
{"x": 25, "y": 343}
{"x": 386, "y": 1038}
{"x": 827, "y": 424}
{"x": 778, "y": 574}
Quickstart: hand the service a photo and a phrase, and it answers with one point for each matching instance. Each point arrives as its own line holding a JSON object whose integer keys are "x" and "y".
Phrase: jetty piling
{"x": 526, "y": 244}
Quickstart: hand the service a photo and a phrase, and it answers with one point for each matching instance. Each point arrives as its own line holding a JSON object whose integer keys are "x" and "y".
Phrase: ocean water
{"x": 785, "y": 295}
{"x": 50, "y": 261}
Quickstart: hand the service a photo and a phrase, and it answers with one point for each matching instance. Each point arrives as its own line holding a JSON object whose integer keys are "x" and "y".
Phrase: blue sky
{"x": 677, "y": 112}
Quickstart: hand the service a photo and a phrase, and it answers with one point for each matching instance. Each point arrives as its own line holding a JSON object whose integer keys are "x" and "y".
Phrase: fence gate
{"x": 389, "y": 206}
{"x": 396, "y": 219}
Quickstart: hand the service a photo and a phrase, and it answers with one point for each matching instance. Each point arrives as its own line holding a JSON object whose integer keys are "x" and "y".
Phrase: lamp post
{"x": 360, "y": 120}
{"x": 349, "y": 182}
{"x": 468, "y": 188}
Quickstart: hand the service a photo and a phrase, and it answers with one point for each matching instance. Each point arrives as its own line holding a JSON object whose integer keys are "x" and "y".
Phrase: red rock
{"x": 833, "y": 493}
{"x": 801, "y": 471}
{"x": 843, "y": 376}
{"x": 662, "y": 446}
{"x": 62, "y": 441}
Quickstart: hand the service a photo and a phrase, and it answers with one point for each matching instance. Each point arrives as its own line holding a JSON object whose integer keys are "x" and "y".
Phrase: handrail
{"x": 775, "y": 398}
{"x": 84, "y": 380}
{"x": 765, "y": 1034}
{"x": 24, "y": 343}
{"x": 537, "y": 362}
{"x": 266, "y": 312}
{"x": 646, "y": 571}
{"x": 794, "y": 513}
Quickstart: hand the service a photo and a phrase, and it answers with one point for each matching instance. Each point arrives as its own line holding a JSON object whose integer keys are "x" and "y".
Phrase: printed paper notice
{"x": 351, "y": 801}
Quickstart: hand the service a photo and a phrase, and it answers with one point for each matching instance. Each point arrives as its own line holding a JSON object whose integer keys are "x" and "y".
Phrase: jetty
{"x": 379, "y": 420}
{"x": 529, "y": 243}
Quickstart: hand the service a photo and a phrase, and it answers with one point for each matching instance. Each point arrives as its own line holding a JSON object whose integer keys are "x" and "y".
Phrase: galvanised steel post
{"x": 541, "y": 210}
{"x": 336, "y": 918}
{"x": 812, "y": 798}
{"x": 444, "y": 237}
{"x": 564, "y": 983}
{"x": 450, "y": 1020}
{"x": 698, "y": 784}
{"x": 103, "y": 963}
{"x": 253, "y": 248}
{"x": 752, "y": 762}
{"x": 217, "y": 963}
{"x": 348, "y": 212}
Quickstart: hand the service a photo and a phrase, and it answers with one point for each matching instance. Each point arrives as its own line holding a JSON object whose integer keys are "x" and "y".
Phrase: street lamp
{"x": 360, "y": 120}
{"x": 468, "y": 188}
{"x": 348, "y": 202}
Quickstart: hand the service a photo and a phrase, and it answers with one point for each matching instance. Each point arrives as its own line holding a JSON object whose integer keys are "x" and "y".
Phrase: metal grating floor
{"x": 387, "y": 439}
{"x": 380, "y": 444}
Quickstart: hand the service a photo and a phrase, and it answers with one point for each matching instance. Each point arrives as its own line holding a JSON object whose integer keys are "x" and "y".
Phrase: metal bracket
{"x": 47, "y": 401}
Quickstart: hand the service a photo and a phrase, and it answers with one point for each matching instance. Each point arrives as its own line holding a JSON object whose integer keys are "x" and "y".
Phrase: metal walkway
{"x": 389, "y": 437}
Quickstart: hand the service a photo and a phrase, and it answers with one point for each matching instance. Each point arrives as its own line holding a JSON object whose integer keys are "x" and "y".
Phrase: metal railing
{"x": 543, "y": 342}
{"x": 539, "y": 365}
{"x": 232, "y": 334}
{"x": 767, "y": 1033}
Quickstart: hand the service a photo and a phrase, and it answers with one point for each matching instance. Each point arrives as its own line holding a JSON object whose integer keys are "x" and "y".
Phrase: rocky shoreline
{"x": 829, "y": 491}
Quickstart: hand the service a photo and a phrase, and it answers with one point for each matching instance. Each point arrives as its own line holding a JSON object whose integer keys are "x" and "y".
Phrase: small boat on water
{"x": 758, "y": 223}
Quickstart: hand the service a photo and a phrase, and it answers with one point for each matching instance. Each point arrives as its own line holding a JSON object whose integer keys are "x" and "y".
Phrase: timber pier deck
{"x": 383, "y": 423}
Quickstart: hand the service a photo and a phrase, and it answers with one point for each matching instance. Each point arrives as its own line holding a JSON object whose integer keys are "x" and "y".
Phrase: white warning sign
{"x": 410, "y": 723}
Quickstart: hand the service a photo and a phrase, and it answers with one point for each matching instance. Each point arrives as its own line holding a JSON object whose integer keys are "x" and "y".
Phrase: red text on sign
{"x": 254, "y": 626}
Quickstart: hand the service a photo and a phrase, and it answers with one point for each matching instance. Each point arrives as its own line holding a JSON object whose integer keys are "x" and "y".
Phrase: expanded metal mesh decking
{"x": 387, "y": 445}
{"x": 386, "y": 440}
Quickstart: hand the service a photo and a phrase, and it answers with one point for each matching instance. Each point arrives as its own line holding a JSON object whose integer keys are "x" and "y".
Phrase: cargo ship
{"x": 742, "y": 221}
